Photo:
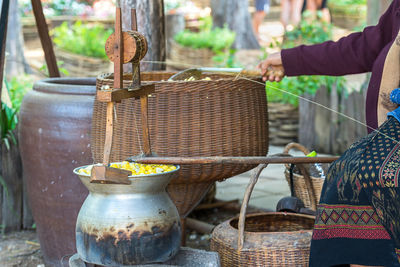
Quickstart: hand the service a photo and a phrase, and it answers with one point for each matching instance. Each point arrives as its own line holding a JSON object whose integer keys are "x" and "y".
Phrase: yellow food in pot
{"x": 135, "y": 168}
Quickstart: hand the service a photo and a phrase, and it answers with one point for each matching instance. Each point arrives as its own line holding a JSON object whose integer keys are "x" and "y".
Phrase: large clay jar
{"x": 55, "y": 123}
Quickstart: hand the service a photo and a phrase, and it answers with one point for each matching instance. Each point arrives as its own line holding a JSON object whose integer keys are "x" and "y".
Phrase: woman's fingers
{"x": 263, "y": 66}
{"x": 272, "y": 68}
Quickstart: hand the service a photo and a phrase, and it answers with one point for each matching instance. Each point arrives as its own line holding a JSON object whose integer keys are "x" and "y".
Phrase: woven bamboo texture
{"x": 300, "y": 188}
{"x": 348, "y": 16}
{"x": 265, "y": 239}
{"x": 190, "y": 56}
{"x": 271, "y": 239}
{"x": 283, "y": 123}
{"x": 221, "y": 117}
{"x": 82, "y": 66}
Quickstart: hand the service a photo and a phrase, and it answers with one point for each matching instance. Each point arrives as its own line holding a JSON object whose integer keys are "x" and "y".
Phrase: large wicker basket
{"x": 300, "y": 188}
{"x": 221, "y": 117}
{"x": 264, "y": 239}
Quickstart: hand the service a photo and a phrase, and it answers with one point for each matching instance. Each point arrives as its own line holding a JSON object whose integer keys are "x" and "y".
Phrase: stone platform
{"x": 186, "y": 257}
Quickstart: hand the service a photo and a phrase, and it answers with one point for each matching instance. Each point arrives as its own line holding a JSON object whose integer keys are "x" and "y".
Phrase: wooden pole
{"x": 234, "y": 160}
{"x": 118, "y": 83}
{"x": 3, "y": 37}
{"x": 47, "y": 45}
{"x": 199, "y": 226}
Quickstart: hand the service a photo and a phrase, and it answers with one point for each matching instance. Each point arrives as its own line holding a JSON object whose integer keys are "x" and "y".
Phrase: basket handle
{"x": 297, "y": 146}
{"x": 304, "y": 172}
{"x": 249, "y": 190}
{"x": 309, "y": 185}
{"x": 246, "y": 198}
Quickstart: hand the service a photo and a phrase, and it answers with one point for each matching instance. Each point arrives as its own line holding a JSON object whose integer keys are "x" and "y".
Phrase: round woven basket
{"x": 301, "y": 190}
{"x": 221, "y": 117}
{"x": 264, "y": 239}
{"x": 348, "y": 16}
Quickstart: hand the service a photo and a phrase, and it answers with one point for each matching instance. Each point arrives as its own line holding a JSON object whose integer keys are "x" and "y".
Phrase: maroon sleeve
{"x": 354, "y": 53}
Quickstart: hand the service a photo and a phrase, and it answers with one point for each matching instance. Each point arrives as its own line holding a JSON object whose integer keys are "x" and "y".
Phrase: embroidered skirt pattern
{"x": 358, "y": 217}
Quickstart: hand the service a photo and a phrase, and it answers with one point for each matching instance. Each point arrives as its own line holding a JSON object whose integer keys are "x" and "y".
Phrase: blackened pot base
{"x": 139, "y": 247}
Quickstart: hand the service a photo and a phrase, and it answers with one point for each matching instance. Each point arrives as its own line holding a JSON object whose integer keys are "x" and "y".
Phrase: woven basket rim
{"x": 270, "y": 214}
{"x": 108, "y": 77}
{"x": 299, "y": 175}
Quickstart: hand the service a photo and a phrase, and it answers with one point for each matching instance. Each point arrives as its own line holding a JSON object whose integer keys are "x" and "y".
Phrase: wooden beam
{"x": 117, "y": 95}
{"x": 47, "y": 45}
{"x": 234, "y": 160}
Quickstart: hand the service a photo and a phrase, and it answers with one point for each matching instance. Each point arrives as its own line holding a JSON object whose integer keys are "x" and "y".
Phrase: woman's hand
{"x": 272, "y": 68}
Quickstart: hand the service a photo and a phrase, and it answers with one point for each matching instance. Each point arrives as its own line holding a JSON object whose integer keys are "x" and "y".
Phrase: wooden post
{"x": 118, "y": 84}
{"x": 3, "y": 36}
{"x": 47, "y": 45}
{"x": 235, "y": 14}
{"x": 16, "y": 62}
{"x": 11, "y": 202}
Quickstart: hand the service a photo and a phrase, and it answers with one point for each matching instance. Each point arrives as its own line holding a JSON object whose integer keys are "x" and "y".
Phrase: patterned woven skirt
{"x": 358, "y": 218}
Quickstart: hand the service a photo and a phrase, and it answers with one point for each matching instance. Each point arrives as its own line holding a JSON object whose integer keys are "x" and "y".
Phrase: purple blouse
{"x": 356, "y": 53}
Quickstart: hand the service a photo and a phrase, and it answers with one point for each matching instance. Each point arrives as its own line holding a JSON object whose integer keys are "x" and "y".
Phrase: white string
{"x": 322, "y": 106}
{"x": 239, "y": 76}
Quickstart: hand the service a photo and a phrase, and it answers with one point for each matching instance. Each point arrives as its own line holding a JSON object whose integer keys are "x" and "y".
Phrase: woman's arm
{"x": 355, "y": 53}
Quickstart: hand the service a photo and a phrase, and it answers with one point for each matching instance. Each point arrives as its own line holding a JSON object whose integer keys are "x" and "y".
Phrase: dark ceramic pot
{"x": 54, "y": 134}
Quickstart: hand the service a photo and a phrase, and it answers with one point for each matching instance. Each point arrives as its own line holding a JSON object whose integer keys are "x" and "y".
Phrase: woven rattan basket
{"x": 299, "y": 185}
{"x": 82, "y": 66}
{"x": 221, "y": 117}
{"x": 201, "y": 57}
{"x": 264, "y": 239}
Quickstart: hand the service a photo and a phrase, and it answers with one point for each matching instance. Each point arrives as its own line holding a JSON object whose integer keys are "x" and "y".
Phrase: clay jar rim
{"x": 67, "y": 85}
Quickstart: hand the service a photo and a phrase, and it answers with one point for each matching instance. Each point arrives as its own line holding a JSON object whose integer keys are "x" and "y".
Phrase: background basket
{"x": 82, "y": 66}
{"x": 221, "y": 117}
{"x": 190, "y": 56}
{"x": 301, "y": 190}
{"x": 266, "y": 239}
{"x": 283, "y": 123}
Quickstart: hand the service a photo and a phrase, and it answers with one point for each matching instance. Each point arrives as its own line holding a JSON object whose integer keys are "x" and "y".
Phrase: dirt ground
{"x": 20, "y": 249}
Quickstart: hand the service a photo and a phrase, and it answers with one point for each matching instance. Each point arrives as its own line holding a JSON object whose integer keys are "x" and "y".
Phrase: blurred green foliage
{"x": 16, "y": 89}
{"x": 357, "y": 8}
{"x": 56, "y": 7}
{"x": 82, "y": 39}
{"x": 216, "y": 39}
{"x": 297, "y": 86}
{"x": 8, "y": 122}
{"x": 350, "y": 2}
{"x": 308, "y": 32}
